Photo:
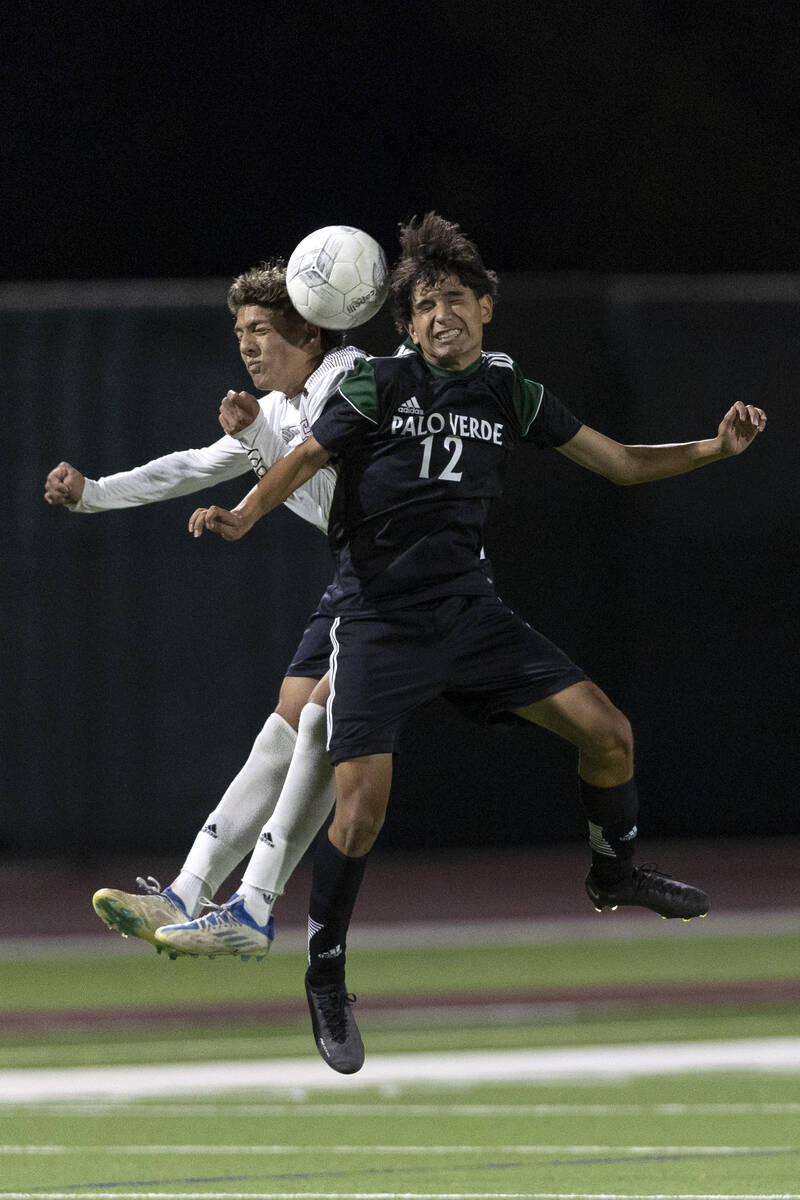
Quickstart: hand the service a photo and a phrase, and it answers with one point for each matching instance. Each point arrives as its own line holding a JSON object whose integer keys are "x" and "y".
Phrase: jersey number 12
{"x": 450, "y": 443}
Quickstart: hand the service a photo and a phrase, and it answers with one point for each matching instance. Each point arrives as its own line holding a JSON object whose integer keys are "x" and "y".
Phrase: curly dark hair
{"x": 432, "y": 248}
{"x": 265, "y": 285}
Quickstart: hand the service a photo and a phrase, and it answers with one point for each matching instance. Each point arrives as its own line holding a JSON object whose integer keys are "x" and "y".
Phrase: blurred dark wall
{"x": 138, "y": 664}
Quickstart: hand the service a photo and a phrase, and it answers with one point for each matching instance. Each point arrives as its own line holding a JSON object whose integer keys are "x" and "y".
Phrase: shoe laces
{"x": 207, "y": 917}
{"x": 221, "y": 908}
{"x": 648, "y": 872}
{"x": 333, "y": 1004}
{"x": 149, "y": 885}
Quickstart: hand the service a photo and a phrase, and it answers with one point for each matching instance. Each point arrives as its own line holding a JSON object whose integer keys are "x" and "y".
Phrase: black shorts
{"x": 471, "y": 650}
{"x": 312, "y": 657}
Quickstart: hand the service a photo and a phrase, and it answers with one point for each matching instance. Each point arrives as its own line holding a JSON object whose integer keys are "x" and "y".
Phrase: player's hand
{"x": 237, "y": 411}
{"x": 229, "y": 525}
{"x": 740, "y": 425}
{"x": 64, "y": 485}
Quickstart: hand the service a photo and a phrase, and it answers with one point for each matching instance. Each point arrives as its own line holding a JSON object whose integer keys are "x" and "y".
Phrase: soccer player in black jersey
{"x": 421, "y": 440}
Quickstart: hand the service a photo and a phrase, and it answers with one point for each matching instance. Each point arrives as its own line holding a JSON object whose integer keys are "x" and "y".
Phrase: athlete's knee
{"x": 357, "y": 821}
{"x": 355, "y": 832}
{"x": 293, "y": 696}
{"x": 610, "y": 735}
{"x": 362, "y": 795}
{"x": 289, "y": 714}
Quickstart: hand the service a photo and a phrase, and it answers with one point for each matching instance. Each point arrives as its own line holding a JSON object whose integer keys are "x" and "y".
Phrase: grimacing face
{"x": 274, "y": 351}
{"x": 447, "y": 322}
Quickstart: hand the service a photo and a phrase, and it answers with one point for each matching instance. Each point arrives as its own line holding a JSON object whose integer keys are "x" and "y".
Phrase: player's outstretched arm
{"x": 64, "y": 485}
{"x": 281, "y": 480}
{"x": 165, "y": 478}
{"x": 642, "y": 464}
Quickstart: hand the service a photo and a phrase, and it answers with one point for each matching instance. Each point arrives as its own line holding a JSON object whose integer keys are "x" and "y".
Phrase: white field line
{"x": 302, "y": 1106}
{"x": 281, "y": 1150}
{"x": 296, "y": 1074}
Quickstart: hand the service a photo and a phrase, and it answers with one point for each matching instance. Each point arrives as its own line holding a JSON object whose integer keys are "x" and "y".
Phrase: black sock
{"x": 611, "y": 813}
{"x": 335, "y": 881}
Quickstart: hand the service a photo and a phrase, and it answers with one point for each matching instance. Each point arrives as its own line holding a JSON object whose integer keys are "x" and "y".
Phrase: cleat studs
{"x": 614, "y": 907}
{"x": 663, "y": 918}
{"x": 686, "y": 920}
{"x": 703, "y": 916}
{"x": 596, "y": 909}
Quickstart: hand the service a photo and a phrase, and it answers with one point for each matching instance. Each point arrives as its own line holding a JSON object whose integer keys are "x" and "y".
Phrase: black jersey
{"x": 422, "y": 453}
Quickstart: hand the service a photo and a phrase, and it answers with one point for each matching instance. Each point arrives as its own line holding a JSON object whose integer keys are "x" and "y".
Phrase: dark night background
{"x": 632, "y": 171}
{"x": 182, "y": 139}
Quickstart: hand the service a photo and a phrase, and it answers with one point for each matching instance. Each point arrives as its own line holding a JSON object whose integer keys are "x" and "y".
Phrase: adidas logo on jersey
{"x": 266, "y": 838}
{"x": 411, "y": 406}
{"x": 211, "y": 830}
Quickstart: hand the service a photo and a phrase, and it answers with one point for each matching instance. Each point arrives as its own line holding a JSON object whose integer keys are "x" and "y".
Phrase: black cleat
{"x": 335, "y": 1029}
{"x": 649, "y": 888}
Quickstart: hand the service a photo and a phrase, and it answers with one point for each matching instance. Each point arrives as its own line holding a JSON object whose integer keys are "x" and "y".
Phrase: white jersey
{"x": 282, "y": 423}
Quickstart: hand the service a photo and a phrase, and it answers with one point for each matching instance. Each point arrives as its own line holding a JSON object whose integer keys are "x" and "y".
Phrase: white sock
{"x": 190, "y": 890}
{"x": 304, "y": 803}
{"x": 258, "y": 903}
{"x": 231, "y": 829}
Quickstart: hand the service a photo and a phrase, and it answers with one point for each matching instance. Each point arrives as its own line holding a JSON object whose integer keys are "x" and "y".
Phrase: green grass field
{"x": 735, "y": 1135}
{"x": 723, "y": 1133}
{"x": 144, "y": 977}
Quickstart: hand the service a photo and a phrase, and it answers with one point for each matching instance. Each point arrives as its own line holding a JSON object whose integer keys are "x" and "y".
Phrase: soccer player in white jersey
{"x": 295, "y": 363}
{"x": 421, "y": 441}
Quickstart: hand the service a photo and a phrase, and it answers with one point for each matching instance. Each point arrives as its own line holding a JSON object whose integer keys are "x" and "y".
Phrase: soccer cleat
{"x": 334, "y": 1026}
{"x": 649, "y": 888}
{"x": 228, "y": 929}
{"x": 135, "y": 915}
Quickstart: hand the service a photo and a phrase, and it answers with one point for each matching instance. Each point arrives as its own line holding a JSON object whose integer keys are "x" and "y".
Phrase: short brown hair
{"x": 265, "y": 285}
{"x": 432, "y": 248}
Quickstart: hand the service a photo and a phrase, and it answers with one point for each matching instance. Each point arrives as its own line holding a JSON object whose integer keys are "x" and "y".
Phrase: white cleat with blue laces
{"x": 228, "y": 929}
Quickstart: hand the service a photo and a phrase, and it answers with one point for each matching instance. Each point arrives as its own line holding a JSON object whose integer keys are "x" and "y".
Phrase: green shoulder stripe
{"x": 359, "y": 389}
{"x": 527, "y": 399}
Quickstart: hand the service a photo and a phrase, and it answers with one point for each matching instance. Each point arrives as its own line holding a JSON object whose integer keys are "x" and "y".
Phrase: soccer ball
{"x": 337, "y": 277}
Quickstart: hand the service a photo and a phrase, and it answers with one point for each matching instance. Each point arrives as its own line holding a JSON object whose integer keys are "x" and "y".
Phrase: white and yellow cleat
{"x": 139, "y": 915}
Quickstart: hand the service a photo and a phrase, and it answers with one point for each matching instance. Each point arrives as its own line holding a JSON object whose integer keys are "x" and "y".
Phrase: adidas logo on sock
{"x": 411, "y": 406}
{"x": 266, "y": 838}
{"x": 334, "y": 953}
{"x": 210, "y": 829}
